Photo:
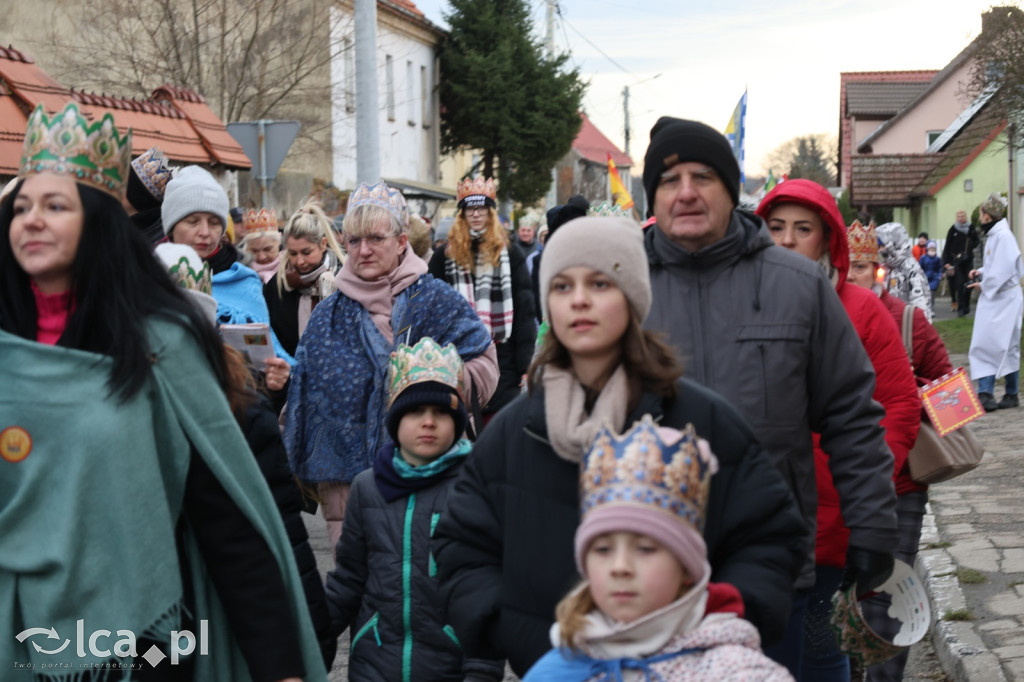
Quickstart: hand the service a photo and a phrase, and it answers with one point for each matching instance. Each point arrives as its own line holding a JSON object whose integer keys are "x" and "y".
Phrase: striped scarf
{"x": 489, "y": 291}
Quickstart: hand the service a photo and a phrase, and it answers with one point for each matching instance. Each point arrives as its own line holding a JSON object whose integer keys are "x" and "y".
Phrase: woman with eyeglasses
{"x": 337, "y": 397}
{"x": 491, "y": 274}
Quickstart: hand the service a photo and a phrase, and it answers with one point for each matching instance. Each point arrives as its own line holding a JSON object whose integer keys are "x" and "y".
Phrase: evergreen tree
{"x": 501, "y": 95}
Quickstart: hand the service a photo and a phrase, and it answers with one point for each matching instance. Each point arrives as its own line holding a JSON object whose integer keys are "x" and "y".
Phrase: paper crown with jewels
{"x": 263, "y": 220}
{"x": 639, "y": 469}
{"x": 424, "y": 361}
{"x": 863, "y": 243}
{"x": 388, "y": 198}
{"x": 476, "y": 192}
{"x": 186, "y": 268}
{"x": 609, "y": 210}
{"x": 95, "y": 155}
{"x": 152, "y": 171}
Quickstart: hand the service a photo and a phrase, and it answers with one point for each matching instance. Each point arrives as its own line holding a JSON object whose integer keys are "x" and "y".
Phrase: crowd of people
{"x": 585, "y": 449}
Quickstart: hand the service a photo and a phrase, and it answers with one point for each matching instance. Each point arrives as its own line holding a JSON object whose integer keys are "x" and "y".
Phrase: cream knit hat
{"x": 613, "y": 246}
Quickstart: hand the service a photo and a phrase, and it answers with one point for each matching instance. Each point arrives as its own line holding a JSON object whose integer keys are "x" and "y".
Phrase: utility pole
{"x": 549, "y": 36}
{"x": 551, "y": 200}
{"x": 367, "y": 104}
{"x": 625, "y": 111}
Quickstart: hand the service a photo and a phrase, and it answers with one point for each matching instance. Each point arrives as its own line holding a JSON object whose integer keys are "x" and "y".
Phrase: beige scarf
{"x": 378, "y": 295}
{"x": 570, "y": 428}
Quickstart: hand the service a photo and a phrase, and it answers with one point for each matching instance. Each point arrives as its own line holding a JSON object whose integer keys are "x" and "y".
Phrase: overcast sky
{"x": 787, "y": 53}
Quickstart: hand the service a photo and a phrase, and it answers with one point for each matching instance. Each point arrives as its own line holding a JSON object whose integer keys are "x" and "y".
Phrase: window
{"x": 350, "y": 75}
{"x": 969, "y": 185}
{"x": 426, "y": 100}
{"x": 389, "y": 76}
{"x": 410, "y": 98}
{"x": 932, "y": 136}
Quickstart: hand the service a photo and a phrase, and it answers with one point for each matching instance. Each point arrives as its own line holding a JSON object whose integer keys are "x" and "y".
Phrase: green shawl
{"x": 88, "y": 515}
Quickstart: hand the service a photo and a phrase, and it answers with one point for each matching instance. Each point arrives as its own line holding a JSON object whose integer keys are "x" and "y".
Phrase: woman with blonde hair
{"x": 337, "y": 398}
{"x": 490, "y": 273}
{"x": 305, "y": 274}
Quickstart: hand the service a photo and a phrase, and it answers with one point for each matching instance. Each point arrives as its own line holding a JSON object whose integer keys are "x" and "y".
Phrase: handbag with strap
{"x": 936, "y": 458}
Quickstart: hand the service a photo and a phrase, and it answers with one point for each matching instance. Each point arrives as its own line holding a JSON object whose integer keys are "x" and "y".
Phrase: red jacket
{"x": 895, "y": 387}
{"x": 931, "y": 361}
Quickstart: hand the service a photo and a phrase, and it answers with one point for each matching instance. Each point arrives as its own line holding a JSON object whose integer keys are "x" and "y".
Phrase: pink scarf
{"x": 266, "y": 272}
{"x": 378, "y": 295}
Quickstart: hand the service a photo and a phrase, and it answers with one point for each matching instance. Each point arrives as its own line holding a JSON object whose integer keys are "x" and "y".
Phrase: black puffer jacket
{"x": 384, "y": 586}
{"x": 264, "y": 437}
{"x": 505, "y": 540}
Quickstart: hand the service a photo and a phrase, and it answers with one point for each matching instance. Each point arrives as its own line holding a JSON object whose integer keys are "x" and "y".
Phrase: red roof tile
{"x": 591, "y": 144}
{"x": 889, "y": 179}
{"x": 178, "y": 121}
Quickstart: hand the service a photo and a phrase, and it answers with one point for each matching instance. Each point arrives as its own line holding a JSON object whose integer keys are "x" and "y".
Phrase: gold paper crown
{"x": 381, "y": 195}
{"x": 260, "y": 221}
{"x": 95, "y": 155}
{"x": 863, "y": 243}
{"x": 152, "y": 170}
{"x": 470, "y": 188}
{"x": 424, "y": 361}
{"x": 639, "y": 468}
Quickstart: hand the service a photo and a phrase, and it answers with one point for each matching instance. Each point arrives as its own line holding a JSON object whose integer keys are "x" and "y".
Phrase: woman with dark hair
{"x": 504, "y": 542}
{"x": 490, "y": 273}
{"x": 125, "y": 504}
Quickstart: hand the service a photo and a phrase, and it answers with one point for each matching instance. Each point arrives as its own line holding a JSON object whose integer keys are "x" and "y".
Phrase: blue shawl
{"x": 560, "y": 665}
{"x": 239, "y": 294}
{"x": 338, "y": 390}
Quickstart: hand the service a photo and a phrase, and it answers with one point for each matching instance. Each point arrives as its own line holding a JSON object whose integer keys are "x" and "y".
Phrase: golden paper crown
{"x": 476, "y": 192}
{"x": 639, "y": 468}
{"x": 95, "y": 155}
{"x": 186, "y": 268}
{"x": 863, "y": 243}
{"x": 263, "y": 220}
{"x": 424, "y": 361}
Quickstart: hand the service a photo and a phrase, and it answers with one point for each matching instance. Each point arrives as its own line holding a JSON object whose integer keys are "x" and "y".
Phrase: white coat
{"x": 995, "y": 342}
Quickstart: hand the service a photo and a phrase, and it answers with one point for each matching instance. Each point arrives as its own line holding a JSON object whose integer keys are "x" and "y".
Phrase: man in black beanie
{"x": 764, "y": 327}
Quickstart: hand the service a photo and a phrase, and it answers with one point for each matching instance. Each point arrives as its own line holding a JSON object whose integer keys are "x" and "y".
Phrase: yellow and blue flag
{"x": 736, "y": 133}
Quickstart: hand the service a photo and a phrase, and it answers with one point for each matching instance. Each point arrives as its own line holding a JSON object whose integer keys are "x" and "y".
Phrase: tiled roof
{"x": 591, "y": 144}
{"x": 176, "y": 119}
{"x": 889, "y": 179}
{"x": 881, "y": 99}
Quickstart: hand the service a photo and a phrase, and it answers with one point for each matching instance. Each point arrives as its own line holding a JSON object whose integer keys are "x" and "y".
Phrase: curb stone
{"x": 958, "y": 647}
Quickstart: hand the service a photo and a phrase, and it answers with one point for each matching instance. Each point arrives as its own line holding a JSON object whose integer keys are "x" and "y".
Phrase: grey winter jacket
{"x": 384, "y": 587}
{"x": 764, "y": 328}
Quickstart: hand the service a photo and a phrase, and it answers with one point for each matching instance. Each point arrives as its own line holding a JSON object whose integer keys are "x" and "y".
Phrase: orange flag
{"x": 620, "y": 196}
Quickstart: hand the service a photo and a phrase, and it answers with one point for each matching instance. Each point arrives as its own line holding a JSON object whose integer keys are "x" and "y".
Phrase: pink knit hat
{"x": 650, "y": 481}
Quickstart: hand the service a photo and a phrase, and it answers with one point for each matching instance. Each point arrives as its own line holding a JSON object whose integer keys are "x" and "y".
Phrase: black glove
{"x": 867, "y": 568}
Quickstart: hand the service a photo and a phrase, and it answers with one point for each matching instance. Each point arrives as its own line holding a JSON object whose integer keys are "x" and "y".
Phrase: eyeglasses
{"x": 374, "y": 241}
{"x": 475, "y": 209}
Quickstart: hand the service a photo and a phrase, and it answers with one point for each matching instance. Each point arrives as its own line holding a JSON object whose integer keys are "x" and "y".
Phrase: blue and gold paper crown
{"x": 96, "y": 155}
{"x": 381, "y": 195}
{"x": 424, "y": 361}
{"x": 152, "y": 171}
{"x": 639, "y": 468}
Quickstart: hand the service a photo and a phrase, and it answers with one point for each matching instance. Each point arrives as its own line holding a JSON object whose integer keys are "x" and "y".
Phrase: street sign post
{"x": 266, "y": 143}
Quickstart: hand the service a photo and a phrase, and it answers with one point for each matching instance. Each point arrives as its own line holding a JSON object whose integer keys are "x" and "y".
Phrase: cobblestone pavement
{"x": 973, "y": 557}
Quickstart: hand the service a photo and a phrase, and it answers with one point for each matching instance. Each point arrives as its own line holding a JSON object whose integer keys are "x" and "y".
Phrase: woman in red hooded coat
{"x": 803, "y": 216}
